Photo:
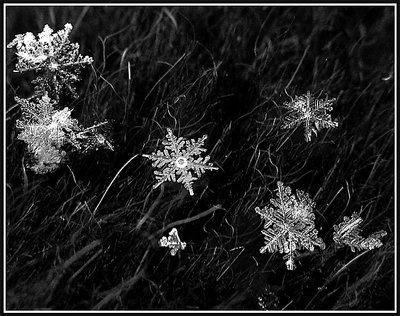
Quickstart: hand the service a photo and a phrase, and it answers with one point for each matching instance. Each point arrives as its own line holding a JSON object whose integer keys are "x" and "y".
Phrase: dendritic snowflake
{"x": 179, "y": 160}
{"x": 173, "y": 242}
{"x": 53, "y": 56}
{"x": 310, "y": 111}
{"x": 348, "y": 233}
{"x": 47, "y": 131}
{"x": 289, "y": 224}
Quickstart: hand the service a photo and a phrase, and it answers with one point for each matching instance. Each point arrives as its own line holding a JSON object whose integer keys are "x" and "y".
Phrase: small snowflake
{"x": 180, "y": 160}
{"x": 52, "y": 55}
{"x": 310, "y": 111}
{"x": 348, "y": 233}
{"x": 289, "y": 224}
{"x": 173, "y": 242}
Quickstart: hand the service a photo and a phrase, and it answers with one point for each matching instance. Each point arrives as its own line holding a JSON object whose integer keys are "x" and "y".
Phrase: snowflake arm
{"x": 274, "y": 239}
{"x": 180, "y": 161}
{"x": 93, "y": 137}
{"x": 313, "y": 113}
{"x": 290, "y": 251}
{"x": 308, "y": 238}
{"x": 348, "y": 233}
{"x": 173, "y": 143}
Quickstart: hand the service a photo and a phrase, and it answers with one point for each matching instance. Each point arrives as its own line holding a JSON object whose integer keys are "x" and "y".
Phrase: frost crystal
{"x": 348, "y": 233}
{"x": 289, "y": 224}
{"x": 173, "y": 242}
{"x": 179, "y": 161}
{"x": 310, "y": 111}
{"x": 47, "y": 131}
{"x": 53, "y": 56}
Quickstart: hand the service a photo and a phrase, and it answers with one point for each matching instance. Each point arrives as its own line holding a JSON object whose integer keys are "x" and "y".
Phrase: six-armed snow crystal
{"x": 53, "y": 56}
{"x": 289, "y": 224}
{"x": 311, "y": 112}
{"x": 180, "y": 161}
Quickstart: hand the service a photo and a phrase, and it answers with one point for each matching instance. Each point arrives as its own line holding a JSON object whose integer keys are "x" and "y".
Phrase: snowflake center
{"x": 306, "y": 112}
{"x": 181, "y": 162}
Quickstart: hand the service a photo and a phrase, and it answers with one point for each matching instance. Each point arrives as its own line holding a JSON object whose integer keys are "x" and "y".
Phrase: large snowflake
{"x": 47, "y": 131}
{"x": 311, "y": 112}
{"x": 180, "y": 161}
{"x": 53, "y": 56}
{"x": 289, "y": 224}
{"x": 348, "y": 233}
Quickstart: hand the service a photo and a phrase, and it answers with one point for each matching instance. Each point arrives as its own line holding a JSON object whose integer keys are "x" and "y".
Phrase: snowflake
{"x": 179, "y": 159}
{"x": 53, "y": 56}
{"x": 173, "y": 242}
{"x": 42, "y": 128}
{"x": 46, "y": 131}
{"x": 310, "y": 111}
{"x": 348, "y": 233}
{"x": 289, "y": 224}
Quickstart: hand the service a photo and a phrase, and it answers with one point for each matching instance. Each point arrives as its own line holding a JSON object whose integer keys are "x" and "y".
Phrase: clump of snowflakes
{"x": 311, "y": 112}
{"x": 348, "y": 233}
{"x": 289, "y": 224}
{"x": 180, "y": 161}
{"x": 53, "y": 56}
{"x": 47, "y": 132}
{"x": 173, "y": 242}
